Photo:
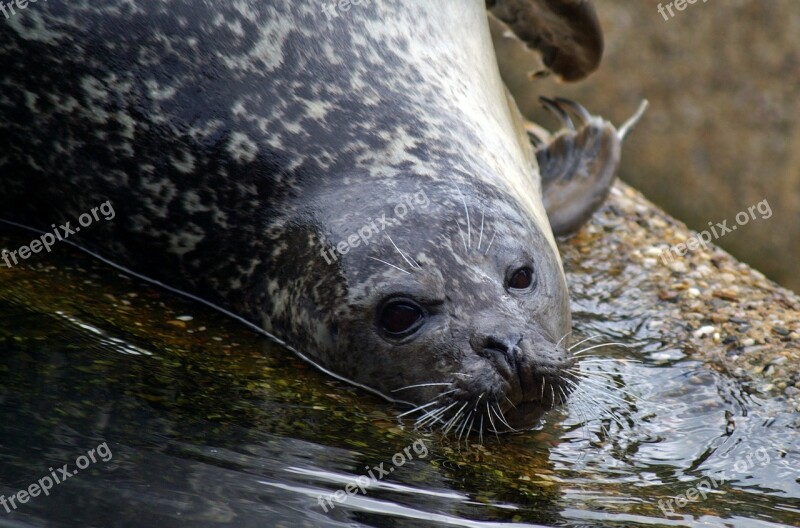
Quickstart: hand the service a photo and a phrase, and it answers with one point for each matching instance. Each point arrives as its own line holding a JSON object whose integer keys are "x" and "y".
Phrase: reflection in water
{"x": 209, "y": 425}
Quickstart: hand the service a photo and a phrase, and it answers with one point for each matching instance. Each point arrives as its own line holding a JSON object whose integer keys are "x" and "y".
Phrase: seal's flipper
{"x": 578, "y": 164}
{"x": 566, "y": 32}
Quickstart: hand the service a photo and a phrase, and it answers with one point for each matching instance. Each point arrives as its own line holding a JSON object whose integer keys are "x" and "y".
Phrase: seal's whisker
{"x": 491, "y": 421}
{"x": 596, "y": 373}
{"x": 580, "y": 406}
{"x": 469, "y": 226}
{"x": 461, "y": 232}
{"x": 596, "y": 385}
{"x": 609, "y": 411}
{"x": 433, "y": 416}
{"x": 583, "y": 351}
{"x": 592, "y": 371}
{"x": 474, "y": 413}
{"x": 428, "y": 421}
{"x": 580, "y": 367}
{"x": 428, "y": 413}
{"x": 460, "y": 425}
{"x": 472, "y": 421}
{"x": 598, "y": 376}
{"x": 577, "y": 401}
{"x": 564, "y": 397}
{"x": 584, "y": 404}
{"x": 449, "y": 425}
{"x": 605, "y": 382}
{"x": 563, "y": 338}
{"x": 607, "y": 398}
{"x": 605, "y": 389}
{"x": 437, "y": 412}
{"x": 617, "y": 420}
{"x": 583, "y": 341}
{"x": 415, "y": 409}
{"x": 422, "y": 385}
{"x": 509, "y": 401}
{"x": 592, "y": 404}
{"x": 425, "y": 417}
{"x": 502, "y": 418}
{"x": 392, "y": 265}
{"x": 576, "y": 396}
{"x": 608, "y": 361}
{"x": 462, "y": 428}
{"x": 398, "y": 250}
{"x": 595, "y": 364}
{"x": 490, "y": 243}
{"x": 480, "y": 237}
{"x": 602, "y": 404}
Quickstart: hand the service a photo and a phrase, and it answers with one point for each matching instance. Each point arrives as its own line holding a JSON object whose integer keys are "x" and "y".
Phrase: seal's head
{"x": 451, "y": 298}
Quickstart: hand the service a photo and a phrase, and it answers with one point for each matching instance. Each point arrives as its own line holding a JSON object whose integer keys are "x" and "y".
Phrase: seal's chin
{"x": 503, "y": 397}
{"x": 552, "y": 389}
{"x": 525, "y": 381}
{"x": 526, "y": 415}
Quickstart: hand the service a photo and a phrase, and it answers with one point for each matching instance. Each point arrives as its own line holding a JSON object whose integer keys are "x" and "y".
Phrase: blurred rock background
{"x": 723, "y": 130}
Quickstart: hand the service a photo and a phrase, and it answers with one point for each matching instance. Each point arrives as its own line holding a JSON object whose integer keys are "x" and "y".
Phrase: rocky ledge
{"x": 656, "y": 283}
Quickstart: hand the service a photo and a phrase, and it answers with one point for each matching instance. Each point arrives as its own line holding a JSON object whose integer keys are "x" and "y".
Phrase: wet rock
{"x": 717, "y": 310}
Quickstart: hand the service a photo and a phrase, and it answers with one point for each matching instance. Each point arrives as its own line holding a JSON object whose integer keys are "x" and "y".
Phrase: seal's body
{"x": 356, "y": 182}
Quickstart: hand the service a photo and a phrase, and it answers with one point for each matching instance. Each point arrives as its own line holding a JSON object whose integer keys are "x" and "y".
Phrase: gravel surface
{"x": 706, "y": 304}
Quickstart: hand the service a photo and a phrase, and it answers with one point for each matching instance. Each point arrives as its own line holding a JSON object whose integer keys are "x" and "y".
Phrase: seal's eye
{"x": 521, "y": 279}
{"x": 400, "y": 318}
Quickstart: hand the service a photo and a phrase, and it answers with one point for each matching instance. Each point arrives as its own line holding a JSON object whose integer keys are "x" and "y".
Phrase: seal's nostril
{"x": 506, "y": 346}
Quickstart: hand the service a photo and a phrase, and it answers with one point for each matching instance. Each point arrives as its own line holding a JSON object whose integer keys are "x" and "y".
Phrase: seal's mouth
{"x": 550, "y": 391}
{"x": 504, "y": 392}
{"x": 534, "y": 390}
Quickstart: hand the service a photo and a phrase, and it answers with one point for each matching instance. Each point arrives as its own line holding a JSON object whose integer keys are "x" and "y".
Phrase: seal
{"x": 350, "y": 178}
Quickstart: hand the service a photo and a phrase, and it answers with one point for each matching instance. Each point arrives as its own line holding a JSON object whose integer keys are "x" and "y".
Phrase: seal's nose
{"x": 506, "y": 346}
{"x": 502, "y": 351}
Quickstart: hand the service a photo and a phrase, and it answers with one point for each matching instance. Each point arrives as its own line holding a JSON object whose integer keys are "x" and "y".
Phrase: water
{"x": 208, "y": 424}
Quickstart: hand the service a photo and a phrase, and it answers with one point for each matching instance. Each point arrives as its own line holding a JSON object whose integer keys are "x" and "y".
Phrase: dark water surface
{"x": 205, "y": 423}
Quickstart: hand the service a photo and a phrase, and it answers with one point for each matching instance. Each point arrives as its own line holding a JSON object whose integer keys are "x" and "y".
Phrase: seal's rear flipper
{"x": 566, "y": 32}
{"x": 577, "y": 165}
